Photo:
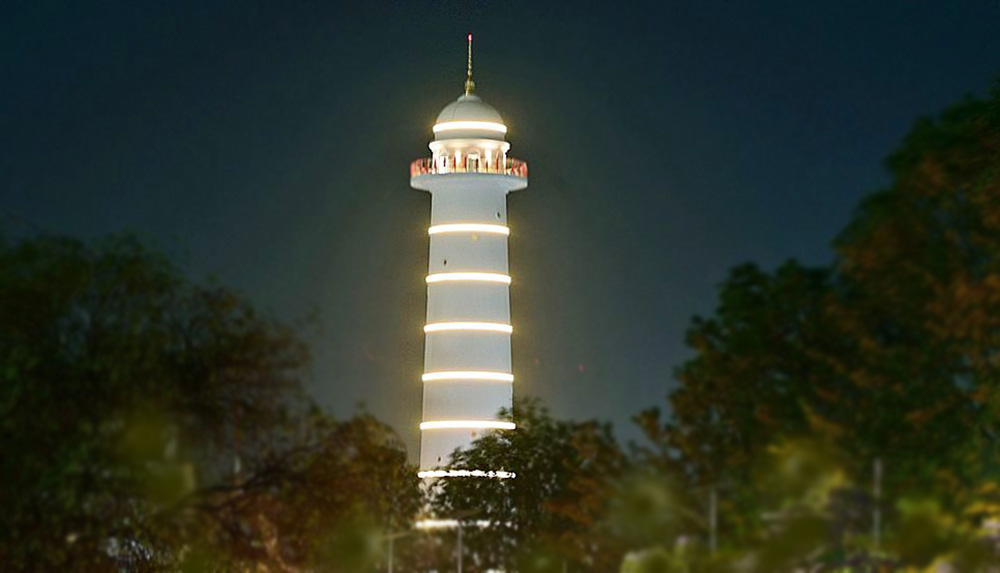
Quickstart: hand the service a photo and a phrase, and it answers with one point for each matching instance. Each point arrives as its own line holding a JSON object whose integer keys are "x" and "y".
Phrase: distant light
{"x": 487, "y": 277}
{"x": 467, "y": 425}
{"x": 448, "y": 523}
{"x": 466, "y": 125}
{"x": 437, "y": 523}
{"x": 470, "y": 37}
{"x": 466, "y": 473}
{"x": 483, "y": 326}
{"x": 468, "y": 375}
{"x": 469, "y": 228}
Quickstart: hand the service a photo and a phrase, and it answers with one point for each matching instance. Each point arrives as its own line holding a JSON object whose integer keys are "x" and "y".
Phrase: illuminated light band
{"x": 462, "y": 125}
{"x": 468, "y": 375}
{"x": 448, "y": 523}
{"x": 487, "y": 326}
{"x": 486, "y": 277}
{"x": 466, "y": 473}
{"x": 467, "y": 425}
{"x": 469, "y": 228}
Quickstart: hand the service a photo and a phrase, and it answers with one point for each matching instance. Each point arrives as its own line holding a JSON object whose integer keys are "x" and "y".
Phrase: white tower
{"x": 467, "y": 363}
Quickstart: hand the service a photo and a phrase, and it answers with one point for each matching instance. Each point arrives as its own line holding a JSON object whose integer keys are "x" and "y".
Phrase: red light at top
{"x": 470, "y": 37}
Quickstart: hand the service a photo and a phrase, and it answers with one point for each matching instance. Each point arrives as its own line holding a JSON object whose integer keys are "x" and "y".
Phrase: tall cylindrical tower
{"x": 467, "y": 376}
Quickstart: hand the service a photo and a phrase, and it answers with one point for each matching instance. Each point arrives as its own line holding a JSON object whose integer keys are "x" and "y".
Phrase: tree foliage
{"x": 552, "y": 511}
{"x": 149, "y": 423}
{"x": 890, "y": 353}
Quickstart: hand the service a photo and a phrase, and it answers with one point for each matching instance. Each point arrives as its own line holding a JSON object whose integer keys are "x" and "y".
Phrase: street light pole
{"x": 459, "y": 547}
{"x": 391, "y": 540}
{"x": 877, "y": 510}
{"x": 713, "y": 521}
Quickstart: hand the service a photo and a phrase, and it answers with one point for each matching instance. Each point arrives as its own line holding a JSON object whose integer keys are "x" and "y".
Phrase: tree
{"x": 760, "y": 374}
{"x": 889, "y": 353}
{"x": 552, "y": 511}
{"x": 149, "y": 423}
{"x": 321, "y": 502}
{"x": 923, "y": 257}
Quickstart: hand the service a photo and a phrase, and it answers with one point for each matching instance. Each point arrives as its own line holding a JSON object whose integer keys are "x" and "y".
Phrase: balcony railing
{"x": 427, "y": 166}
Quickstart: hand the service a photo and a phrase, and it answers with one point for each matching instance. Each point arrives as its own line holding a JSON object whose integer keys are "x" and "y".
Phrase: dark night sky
{"x": 267, "y": 144}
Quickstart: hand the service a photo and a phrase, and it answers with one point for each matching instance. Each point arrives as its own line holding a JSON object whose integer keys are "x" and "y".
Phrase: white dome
{"x": 469, "y": 108}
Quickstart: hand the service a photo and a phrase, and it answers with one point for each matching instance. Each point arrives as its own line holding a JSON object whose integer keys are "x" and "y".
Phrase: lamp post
{"x": 460, "y": 547}
{"x": 713, "y": 521}
{"x": 877, "y": 499}
{"x": 459, "y": 516}
{"x": 391, "y": 538}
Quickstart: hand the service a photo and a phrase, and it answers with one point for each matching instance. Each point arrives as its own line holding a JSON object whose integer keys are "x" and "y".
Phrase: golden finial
{"x": 469, "y": 84}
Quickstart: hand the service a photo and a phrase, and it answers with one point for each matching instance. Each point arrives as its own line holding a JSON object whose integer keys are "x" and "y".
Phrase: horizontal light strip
{"x": 488, "y": 326}
{"x": 487, "y": 277}
{"x": 447, "y": 523}
{"x": 466, "y": 473}
{"x": 467, "y": 425}
{"x": 484, "y": 125}
{"x": 469, "y": 228}
{"x": 468, "y": 375}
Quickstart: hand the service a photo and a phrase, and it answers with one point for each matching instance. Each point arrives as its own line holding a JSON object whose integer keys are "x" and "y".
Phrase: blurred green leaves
{"x": 923, "y": 533}
{"x": 353, "y": 546}
{"x": 154, "y": 424}
{"x": 656, "y": 560}
{"x": 646, "y": 508}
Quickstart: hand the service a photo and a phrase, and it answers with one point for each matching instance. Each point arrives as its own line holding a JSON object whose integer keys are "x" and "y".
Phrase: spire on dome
{"x": 470, "y": 85}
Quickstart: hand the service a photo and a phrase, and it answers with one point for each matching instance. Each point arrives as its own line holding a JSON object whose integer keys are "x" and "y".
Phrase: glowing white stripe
{"x": 487, "y": 277}
{"x": 466, "y": 473}
{"x": 469, "y": 228}
{"x": 489, "y": 326}
{"x": 448, "y": 523}
{"x": 467, "y": 425}
{"x": 468, "y": 375}
{"x": 483, "y": 125}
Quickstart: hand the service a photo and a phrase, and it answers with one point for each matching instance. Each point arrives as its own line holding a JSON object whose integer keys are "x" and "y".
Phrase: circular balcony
{"x": 447, "y": 165}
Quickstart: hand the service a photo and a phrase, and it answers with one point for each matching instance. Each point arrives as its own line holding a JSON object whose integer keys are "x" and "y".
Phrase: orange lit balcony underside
{"x": 427, "y": 166}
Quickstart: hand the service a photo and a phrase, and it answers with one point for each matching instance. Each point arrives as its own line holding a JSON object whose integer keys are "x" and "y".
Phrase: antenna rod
{"x": 469, "y": 84}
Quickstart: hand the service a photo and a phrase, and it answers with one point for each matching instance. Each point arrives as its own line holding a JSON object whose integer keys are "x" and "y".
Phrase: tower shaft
{"x": 467, "y": 360}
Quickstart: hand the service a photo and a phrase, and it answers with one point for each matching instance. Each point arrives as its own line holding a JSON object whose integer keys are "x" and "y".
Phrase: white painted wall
{"x": 465, "y": 198}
